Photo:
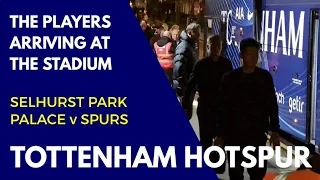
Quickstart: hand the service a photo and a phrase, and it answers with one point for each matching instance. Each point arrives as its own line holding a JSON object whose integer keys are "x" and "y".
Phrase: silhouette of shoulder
{"x": 263, "y": 71}
{"x": 204, "y": 60}
{"x": 231, "y": 75}
{"x": 265, "y": 74}
{"x": 225, "y": 59}
{"x": 202, "y": 63}
{"x": 208, "y": 59}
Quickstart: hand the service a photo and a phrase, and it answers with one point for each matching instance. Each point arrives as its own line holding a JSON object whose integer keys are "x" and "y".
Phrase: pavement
{"x": 271, "y": 163}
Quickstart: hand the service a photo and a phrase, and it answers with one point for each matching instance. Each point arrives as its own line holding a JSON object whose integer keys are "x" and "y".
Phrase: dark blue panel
{"x": 291, "y": 2}
{"x": 318, "y": 98}
{"x": 291, "y": 63}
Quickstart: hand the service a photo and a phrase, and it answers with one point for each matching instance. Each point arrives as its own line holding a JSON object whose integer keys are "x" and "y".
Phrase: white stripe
{"x": 166, "y": 61}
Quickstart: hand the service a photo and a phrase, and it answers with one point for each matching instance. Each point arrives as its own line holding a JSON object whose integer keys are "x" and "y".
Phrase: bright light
{"x": 210, "y": 23}
{"x": 195, "y": 103}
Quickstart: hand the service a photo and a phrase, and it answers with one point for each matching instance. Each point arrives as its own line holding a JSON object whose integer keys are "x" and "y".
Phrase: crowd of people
{"x": 236, "y": 107}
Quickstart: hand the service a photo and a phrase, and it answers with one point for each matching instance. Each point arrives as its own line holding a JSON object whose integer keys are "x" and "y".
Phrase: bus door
{"x": 315, "y": 78}
{"x": 284, "y": 44}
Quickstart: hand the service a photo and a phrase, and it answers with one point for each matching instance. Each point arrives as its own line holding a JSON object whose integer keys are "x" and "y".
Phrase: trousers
{"x": 255, "y": 173}
{"x": 207, "y": 118}
{"x": 169, "y": 74}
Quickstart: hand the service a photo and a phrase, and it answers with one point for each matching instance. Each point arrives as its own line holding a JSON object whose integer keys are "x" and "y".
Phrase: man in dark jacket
{"x": 207, "y": 75}
{"x": 146, "y": 29}
{"x": 248, "y": 110}
{"x": 157, "y": 35}
{"x": 185, "y": 57}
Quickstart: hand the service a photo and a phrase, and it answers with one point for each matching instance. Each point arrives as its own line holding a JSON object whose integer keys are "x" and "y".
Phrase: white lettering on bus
{"x": 292, "y": 42}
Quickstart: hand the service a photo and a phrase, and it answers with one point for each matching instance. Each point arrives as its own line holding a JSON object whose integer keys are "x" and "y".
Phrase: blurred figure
{"x": 145, "y": 17}
{"x": 143, "y": 25}
{"x": 207, "y": 75}
{"x": 157, "y": 35}
{"x": 153, "y": 27}
{"x": 164, "y": 50}
{"x": 175, "y": 30}
{"x": 249, "y": 109}
{"x": 146, "y": 29}
{"x": 165, "y": 26}
{"x": 185, "y": 57}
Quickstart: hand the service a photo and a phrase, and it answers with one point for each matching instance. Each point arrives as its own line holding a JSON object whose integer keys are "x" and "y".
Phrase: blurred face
{"x": 165, "y": 27}
{"x": 143, "y": 25}
{"x": 215, "y": 48}
{"x": 161, "y": 32}
{"x": 158, "y": 31}
{"x": 250, "y": 57}
{"x": 175, "y": 34}
{"x": 194, "y": 35}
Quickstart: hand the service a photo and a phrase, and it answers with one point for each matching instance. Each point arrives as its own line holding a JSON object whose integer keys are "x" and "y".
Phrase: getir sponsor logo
{"x": 281, "y": 31}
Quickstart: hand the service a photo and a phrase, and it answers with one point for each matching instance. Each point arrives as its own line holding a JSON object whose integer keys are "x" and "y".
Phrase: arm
{"x": 173, "y": 47}
{"x": 229, "y": 66}
{"x": 272, "y": 105}
{"x": 190, "y": 89}
{"x": 223, "y": 101}
{"x": 179, "y": 70}
{"x": 152, "y": 42}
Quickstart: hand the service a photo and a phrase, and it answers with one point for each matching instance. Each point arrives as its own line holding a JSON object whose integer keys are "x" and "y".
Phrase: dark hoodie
{"x": 185, "y": 57}
{"x": 155, "y": 38}
{"x": 248, "y": 105}
{"x": 207, "y": 76}
{"x": 148, "y": 33}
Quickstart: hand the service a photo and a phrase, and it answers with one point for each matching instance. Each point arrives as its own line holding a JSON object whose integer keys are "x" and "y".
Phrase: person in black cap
{"x": 249, "y": 110}
{"x": 146, "y": 29}
{"x": 157, "y": 34}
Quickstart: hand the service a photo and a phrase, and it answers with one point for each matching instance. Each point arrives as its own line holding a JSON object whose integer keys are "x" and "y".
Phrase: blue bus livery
{"x": 288, "y": 31}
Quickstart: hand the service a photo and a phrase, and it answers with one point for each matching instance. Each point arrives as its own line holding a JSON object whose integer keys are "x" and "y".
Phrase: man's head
{"x": 166, "y": 34}
{"x": 160, "y": 30}
{"x": 249, "y": 52}
{"x": 215, "y": 45}
{"x": 193, "y": 31}
{"x": 165, "y": 26}
{"x": 175, "y": 32}
{"x": 143, "y": 25}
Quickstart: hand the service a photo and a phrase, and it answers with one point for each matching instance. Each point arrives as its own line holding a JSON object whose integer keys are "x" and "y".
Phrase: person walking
{"x": 185, "y": 57}
{"x": 207, "y": 76}
{"x": 249, "y": 109}
{"x": 146, "y": 29}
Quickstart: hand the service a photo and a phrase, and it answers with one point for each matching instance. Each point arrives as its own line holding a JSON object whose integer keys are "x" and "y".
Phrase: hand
{"x": 275, "y": 139}
{"x": 219, "y": 141}
{"x": 188, "y": 113}
{"x": 179, "y": 92}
